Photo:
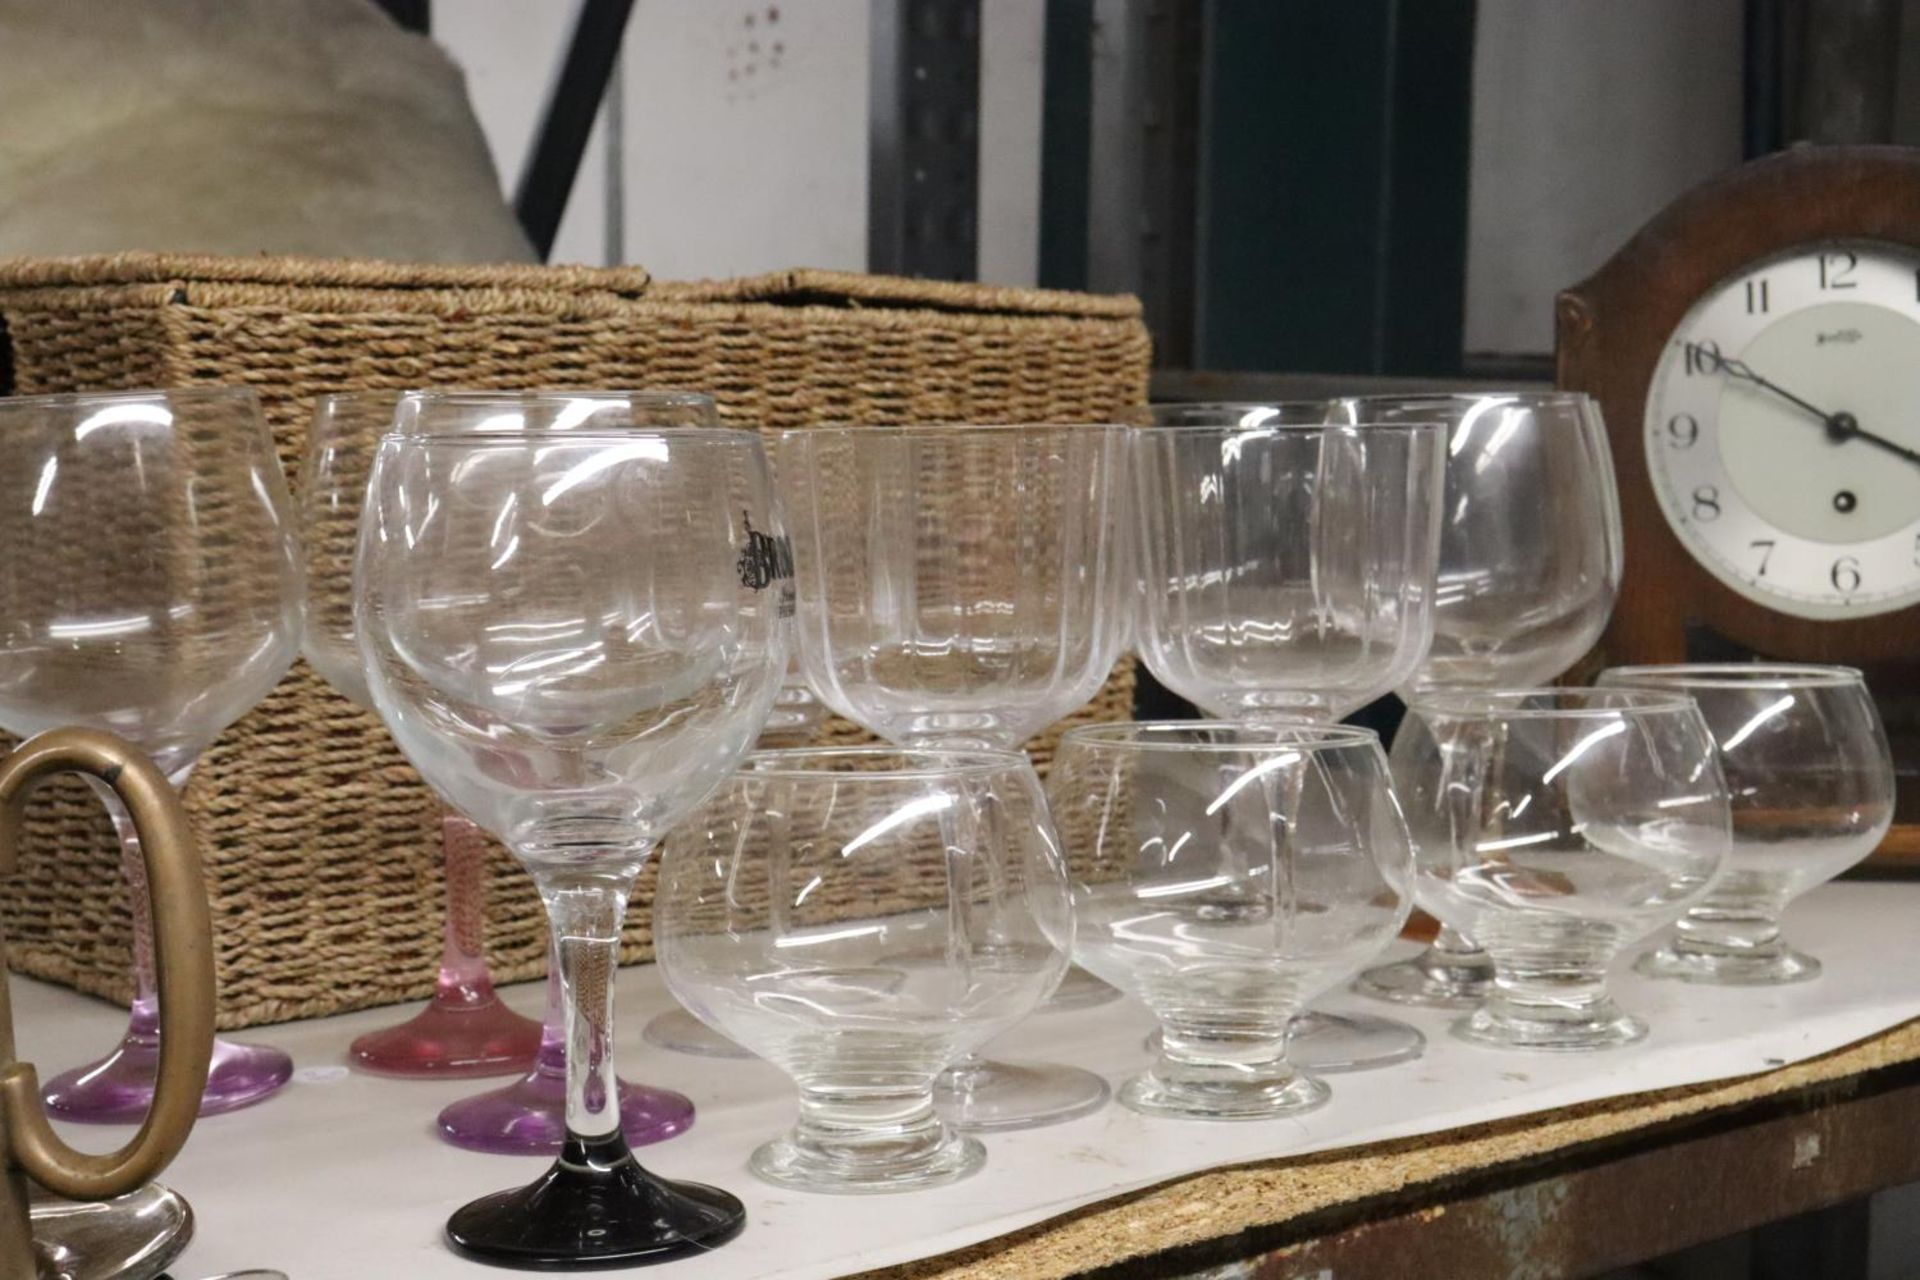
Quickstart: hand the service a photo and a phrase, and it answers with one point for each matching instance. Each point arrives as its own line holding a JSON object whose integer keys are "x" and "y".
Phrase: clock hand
{"x": 1744, "y": 371}
{"x": 1841, "y": 427}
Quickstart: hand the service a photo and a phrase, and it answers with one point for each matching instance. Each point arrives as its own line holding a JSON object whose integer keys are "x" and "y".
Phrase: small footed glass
{"x": 1811, "y": 780}
{"x": 1226, "y": 874}
{"x": 1556, "y": 827}
{"x": 862, "y": 918}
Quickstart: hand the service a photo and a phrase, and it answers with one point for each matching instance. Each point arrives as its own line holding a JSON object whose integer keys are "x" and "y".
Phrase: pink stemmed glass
{"x": 150, "y": 587}
{"x": 528, "y": 1117}
{"x": 465, "y": 1029}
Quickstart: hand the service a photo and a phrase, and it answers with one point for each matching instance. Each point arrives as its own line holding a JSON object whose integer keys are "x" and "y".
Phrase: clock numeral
{"x": 1845, "y": 575}
{"x": 1757, "y": 301}
{"x": 1683, "y": 431}
{"x": 1706, "y": 504}
{"x": 1765, "y": 547}
{"x": 1835, "y": 268}
{"x": 1916, "y": 550}
{"x": 1703, "y": 357}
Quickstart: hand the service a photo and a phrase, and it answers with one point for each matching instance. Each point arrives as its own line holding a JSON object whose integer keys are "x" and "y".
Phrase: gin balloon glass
{"x": 1811, "y": 780}
{"x": 1558, "y": 827}
{"x": 959, "y": 586}
{"x": 1287, "y": 574}
{"x": 1226, "y": 874}
{"x": 862, "y": 918}
{"x": 1530, "y": 562}
{"x": 465, "y": 1029}
{"x": 575, "y": 632}
{"x": 529, "y": 1115}
{"x": 150, "y": 587}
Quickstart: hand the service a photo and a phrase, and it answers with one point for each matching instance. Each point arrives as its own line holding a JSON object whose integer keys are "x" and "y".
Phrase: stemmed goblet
{"x": 1557, "y": 827}
{"x": 465, "y": 1029}
{"x": 862, "y": 917}
{"x": 1811, "y": 780}
{"x": 529, "y": 1115}
{"x": 959, "y": 587}
{"x": 1530, "y": 562}
{"x": 150, "y": 587}
{"x": 1286, "y": 574}
{"x": 575, "y": 632}
{"x": 1157, "y": 820}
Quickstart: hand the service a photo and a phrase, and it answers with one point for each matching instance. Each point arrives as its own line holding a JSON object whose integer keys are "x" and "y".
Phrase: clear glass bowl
{"x": 862, "y": 918}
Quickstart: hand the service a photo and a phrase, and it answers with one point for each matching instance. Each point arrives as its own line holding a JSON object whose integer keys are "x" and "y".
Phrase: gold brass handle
{"x": 183, "y": 959}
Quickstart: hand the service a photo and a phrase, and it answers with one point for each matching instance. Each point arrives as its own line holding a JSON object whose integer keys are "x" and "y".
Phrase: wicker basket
{"x": 321, "y": 842}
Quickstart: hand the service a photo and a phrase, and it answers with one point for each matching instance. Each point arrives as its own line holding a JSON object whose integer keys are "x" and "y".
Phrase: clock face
{"x": 1783, "y": 431}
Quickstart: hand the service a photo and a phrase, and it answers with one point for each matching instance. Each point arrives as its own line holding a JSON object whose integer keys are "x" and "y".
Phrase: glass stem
{"x": 143, "y": 1021}
{"x": 464, "y": 981}
{"x": 585, "y": 911}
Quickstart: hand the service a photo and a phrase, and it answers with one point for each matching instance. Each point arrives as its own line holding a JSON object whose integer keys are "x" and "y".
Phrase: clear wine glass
{"x": 150, "y": 587}
{"x": 1530, "y": 562}
{"x": 1811, "y": 779}
{"x": 529, "y": 1115}
{"x": 465, "y": 1029}
{"x": 1557, "y": 827}
{"x": 862, "y": 918}
{"x": 1287, "y": 574}
{"x": 574, "y": 633}
{"x": 1226, "y": 874}
{"x": 959, "y": 586}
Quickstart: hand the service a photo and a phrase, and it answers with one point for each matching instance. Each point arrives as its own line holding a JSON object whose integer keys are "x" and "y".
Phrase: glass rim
{"x": 60, "y": 399}
{"x": 1531, "y": 396}
{"x": 538, "y": 395}
{"x": 950, "y": 428}
{"x": 1304, "y": 735}
{"x": 789, "y": 762}
{"x": 1484, "y": 704}
{"x": 1412, "y": 428}
{"x": 1733, "y": 675}
{"x": 735, "y": 436}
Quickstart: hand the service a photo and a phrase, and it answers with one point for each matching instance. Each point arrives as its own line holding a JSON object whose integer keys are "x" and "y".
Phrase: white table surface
{"x": 341, "y": 1178}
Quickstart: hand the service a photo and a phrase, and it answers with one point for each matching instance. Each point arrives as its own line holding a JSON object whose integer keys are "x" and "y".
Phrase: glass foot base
{"x": 786, "y": 1163}
{"x": 1780, "y": 967}
{"x": 1328, "y": 1043}
{"x": 1183, "y": 1100}
{"x": 595, "y": 1208}
{"x": 987, "y": 1097}
{"x": 528, "y": 1117}
{"x": 678, "y": 1031}
{"x": 119, "y": 1088}
{"x": 1079, "y": 990}
{"x": 127, "y": 1237}
{"x": 450, "y": 1041}
{"x": 1606, "y": 1027}
{"x": 1428, "y": 982}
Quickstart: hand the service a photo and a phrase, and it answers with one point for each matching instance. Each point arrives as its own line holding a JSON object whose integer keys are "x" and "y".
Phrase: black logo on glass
{"x": 765, "y": 559}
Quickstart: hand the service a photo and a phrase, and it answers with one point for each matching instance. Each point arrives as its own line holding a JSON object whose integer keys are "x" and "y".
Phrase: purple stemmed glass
{"x": 465, "y": 1029}
{"x": 528, "y": 1117}
{"x": 151, "y": 587}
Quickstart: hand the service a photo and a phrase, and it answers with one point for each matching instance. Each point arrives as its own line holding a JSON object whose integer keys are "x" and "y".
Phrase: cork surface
{"x": 1221, "y": 1202}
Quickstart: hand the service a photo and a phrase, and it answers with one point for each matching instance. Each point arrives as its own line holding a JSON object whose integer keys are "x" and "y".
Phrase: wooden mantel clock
{"x": 1756, "y": 352}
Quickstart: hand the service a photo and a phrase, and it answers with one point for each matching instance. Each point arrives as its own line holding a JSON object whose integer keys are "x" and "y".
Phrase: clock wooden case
{"x": 1797, "y": 246}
